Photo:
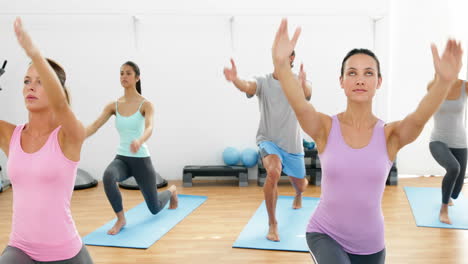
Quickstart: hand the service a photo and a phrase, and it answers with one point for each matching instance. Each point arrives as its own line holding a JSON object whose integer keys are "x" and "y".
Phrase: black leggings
{"x": 12, "y": 255}
{"x": 325, "y": 250}
{"x": 454, "y": 162}
{"x": 120, "y": 169}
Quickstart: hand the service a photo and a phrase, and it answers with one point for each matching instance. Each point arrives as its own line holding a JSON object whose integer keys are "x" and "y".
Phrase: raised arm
{"x": 148, "y": 110}
{"x": 248, "y": 87}
{"x": 72, "y": 129}
{"x": 108, "y": 111}
{"x": 315, "y": 124}
{"x": 447, "y": 68}
{"x": 304, "y": 84}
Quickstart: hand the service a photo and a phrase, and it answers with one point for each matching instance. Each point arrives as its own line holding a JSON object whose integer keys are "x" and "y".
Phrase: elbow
{"x": 149, "y": 131}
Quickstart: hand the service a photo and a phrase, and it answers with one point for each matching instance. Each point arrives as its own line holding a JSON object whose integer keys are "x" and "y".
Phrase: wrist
{"x": 281, "y": 64}
{"x": 442, "y": 81}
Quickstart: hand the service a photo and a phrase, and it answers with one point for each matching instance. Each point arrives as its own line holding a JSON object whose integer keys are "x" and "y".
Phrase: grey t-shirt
{"x": 278, "y": 122}
{"x": 449, "y": 122}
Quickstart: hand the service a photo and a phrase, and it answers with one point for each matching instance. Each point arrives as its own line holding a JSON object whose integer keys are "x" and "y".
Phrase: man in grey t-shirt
{"x": 278, "y": 137}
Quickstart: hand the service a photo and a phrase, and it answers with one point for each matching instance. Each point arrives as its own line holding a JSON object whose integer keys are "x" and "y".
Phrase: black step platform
{"x": 193, "y": 171}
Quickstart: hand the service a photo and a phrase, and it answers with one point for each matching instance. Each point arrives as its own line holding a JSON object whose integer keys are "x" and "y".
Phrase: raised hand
{"x": 24, "y": 39}
{"x": 231, "y": 74}
{"x": 449, "y": 64}
{"x": 282, "y": 45}
{"x": 135, "y": 146}
{"x": 302, "y": 75}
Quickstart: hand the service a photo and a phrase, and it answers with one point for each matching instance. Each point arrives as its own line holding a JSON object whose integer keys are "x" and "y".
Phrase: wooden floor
{"x": 206, "y": 235}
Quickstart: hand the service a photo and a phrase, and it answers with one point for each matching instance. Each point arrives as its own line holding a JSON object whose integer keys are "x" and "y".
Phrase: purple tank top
{"x": 353, "y": 182}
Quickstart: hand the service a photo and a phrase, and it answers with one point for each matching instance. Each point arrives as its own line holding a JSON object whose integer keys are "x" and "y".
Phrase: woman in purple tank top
{"x": 356, "y": 149}
{"x": 43, "y": 156}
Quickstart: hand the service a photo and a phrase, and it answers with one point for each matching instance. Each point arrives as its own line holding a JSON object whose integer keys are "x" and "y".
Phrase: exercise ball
{"x": 84, "y": 180}
{"x": 312, "y": 145}
{"x": 231, "y": 156}
{"x": 308, "y": 144}
{"x": 131, "y": 184}
{"x": 249, "y": 157}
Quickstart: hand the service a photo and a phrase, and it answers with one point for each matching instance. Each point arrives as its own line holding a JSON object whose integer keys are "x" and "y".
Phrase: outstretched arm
{"x": 447, "y": 68}
{"x": 314, "y": 123}
{"x": 247, "y": 87}
{"x": 108, "y": 111}
{"x": 304, "y": 84}
{"x": 72, "y": 128}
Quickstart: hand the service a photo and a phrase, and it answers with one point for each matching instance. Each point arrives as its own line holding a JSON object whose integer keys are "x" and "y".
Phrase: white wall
{"x": 183, "y": 45}
{"x": 206, "y": 7}
{"x": 181, "y": 52}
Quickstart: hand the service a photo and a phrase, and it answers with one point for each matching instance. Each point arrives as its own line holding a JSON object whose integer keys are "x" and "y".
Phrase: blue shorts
{"x": 292, "y": 164}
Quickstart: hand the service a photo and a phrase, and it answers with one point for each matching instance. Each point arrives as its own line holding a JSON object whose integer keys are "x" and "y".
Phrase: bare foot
{"x": 297, "y": 203}
{"x": 174, "y": 199}
{"x": 273, "y": 233}
{"x": 450, "y": 202}
{"x": 117, "y": 227}
{"x": 444, "y": 217}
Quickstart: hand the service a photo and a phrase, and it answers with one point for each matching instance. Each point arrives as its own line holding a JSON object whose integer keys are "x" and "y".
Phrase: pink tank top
{"x": 42, "y": 184}
{"x": 353, "y": 182}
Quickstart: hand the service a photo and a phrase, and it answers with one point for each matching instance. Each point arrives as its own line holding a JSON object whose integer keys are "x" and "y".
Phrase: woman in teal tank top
{"x": 134, "y": 122}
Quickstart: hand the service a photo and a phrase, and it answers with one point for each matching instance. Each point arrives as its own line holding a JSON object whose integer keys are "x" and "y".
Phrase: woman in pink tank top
{"x": 356, "y": 149}
{"x": 43, "y": 156}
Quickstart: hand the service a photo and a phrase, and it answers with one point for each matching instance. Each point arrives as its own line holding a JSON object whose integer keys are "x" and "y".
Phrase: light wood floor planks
{"x": 206, "y": 236}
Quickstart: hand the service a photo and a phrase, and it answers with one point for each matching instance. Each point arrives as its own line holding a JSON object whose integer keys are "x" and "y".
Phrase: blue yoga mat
{"x": 425, "y": 204}
{"x": 143, "y": 228}
{"x": 292, "y": 224}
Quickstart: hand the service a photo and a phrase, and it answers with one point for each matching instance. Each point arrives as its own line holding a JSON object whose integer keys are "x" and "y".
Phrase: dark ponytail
{"x": 138, "y": 86}
{"x": 136, "y": 69}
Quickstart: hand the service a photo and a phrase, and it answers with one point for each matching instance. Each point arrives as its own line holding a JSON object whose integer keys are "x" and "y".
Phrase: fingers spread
{"x": 296, "y": 36}
{"x": 435, "y": 55}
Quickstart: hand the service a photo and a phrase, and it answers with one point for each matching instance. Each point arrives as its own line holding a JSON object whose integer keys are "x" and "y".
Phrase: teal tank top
{"x": 130, "y": 128}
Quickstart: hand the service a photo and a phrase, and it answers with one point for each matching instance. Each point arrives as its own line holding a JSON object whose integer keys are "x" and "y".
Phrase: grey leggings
{"x": 454, "y": 162}
{"x": 120, "y": 169}
{"x": 12, "y": 255}
{"x": 325, "y": 250}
